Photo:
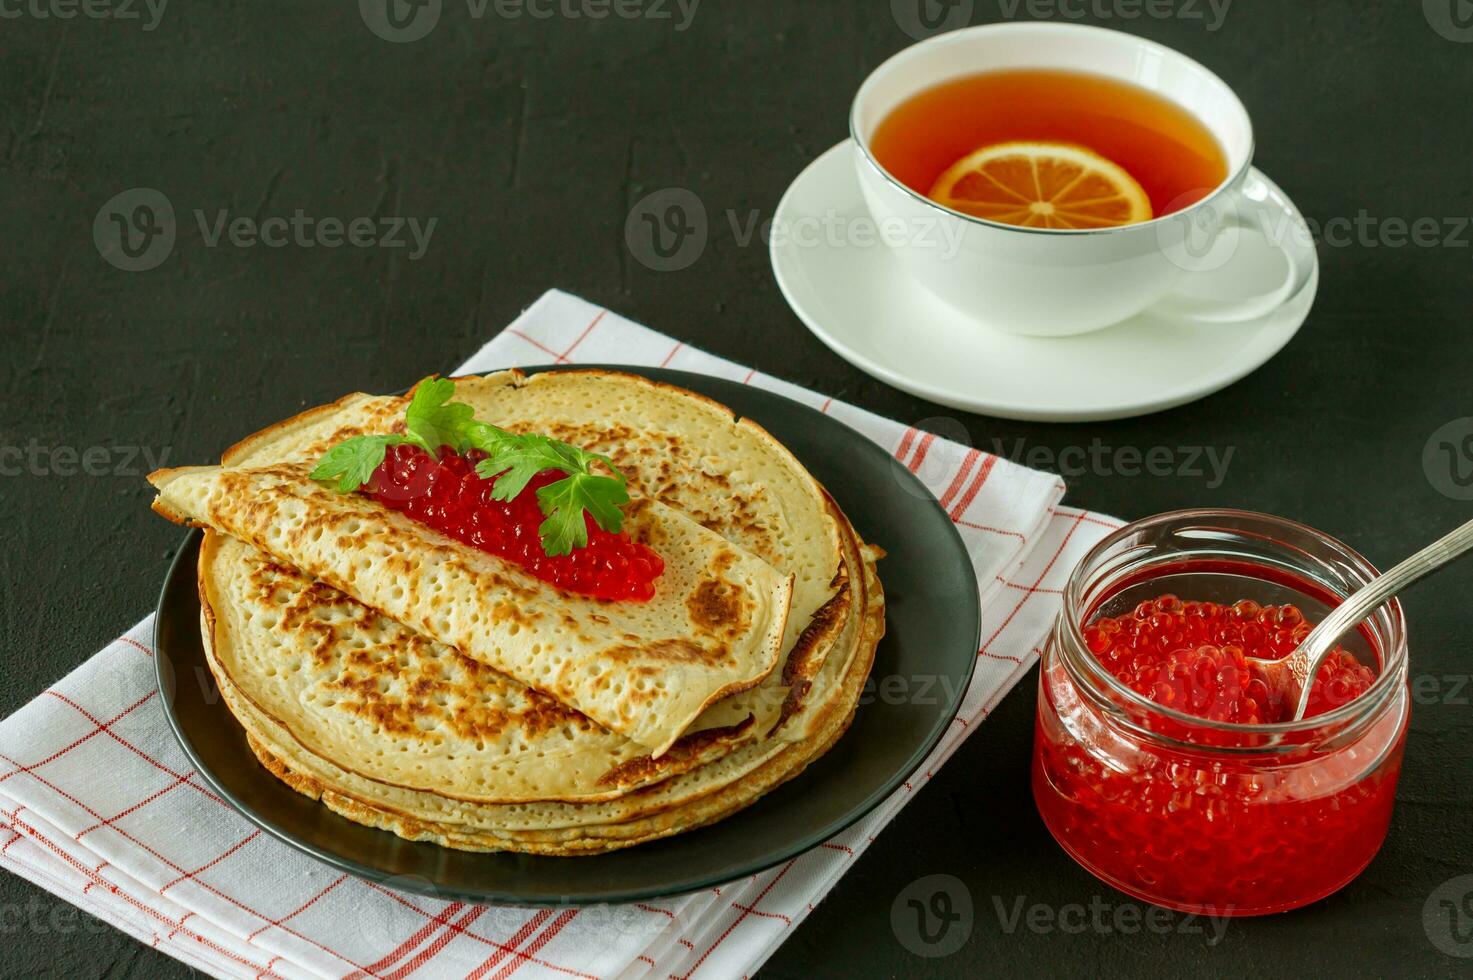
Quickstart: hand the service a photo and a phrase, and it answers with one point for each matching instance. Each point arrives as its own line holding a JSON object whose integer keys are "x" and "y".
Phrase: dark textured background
{"x": 530, "y": 141}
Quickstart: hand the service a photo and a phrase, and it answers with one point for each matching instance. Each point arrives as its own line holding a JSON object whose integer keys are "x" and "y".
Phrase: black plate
{"x": 932, "y": 639}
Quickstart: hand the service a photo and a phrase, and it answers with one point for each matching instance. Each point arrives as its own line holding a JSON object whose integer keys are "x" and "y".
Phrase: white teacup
{"x": 1057, "y": 283}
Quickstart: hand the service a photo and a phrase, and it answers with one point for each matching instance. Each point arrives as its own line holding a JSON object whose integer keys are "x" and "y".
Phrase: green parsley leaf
{"x": 584, "y": 460}
{"x": 513, "y": 460}
{"x": 433, "y": 420}
{"x": 353, "y": 461}
{"x": 564, "y": 503}
{"x": 486, "y": 437}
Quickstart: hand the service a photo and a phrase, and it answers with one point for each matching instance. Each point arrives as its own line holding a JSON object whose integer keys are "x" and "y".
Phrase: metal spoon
{"x": 1297, "y": 670}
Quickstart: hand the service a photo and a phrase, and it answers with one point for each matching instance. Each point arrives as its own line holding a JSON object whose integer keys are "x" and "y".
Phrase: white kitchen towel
{"x": 99, "y": 805}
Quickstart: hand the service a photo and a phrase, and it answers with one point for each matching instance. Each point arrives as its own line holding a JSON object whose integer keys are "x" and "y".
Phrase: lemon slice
{"x": 1043, "y": 185}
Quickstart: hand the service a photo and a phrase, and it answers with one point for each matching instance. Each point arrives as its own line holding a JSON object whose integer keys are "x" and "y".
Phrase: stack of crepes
{"x": 420, "y": 685}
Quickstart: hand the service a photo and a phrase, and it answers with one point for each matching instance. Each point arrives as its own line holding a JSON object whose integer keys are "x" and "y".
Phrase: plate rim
{"x": 1165, "y": 401}
{"x": 188, "y": 548}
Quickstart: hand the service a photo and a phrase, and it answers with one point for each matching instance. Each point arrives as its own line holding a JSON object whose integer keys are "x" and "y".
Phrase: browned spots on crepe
{"x": 423, "y": 699}
{"x": 676, "y": 651}
{"x": 745, "y": 492}
{"x": 690, "y": 751}
{"x": 714, "y": 604}
{"x": 829, "y": 617}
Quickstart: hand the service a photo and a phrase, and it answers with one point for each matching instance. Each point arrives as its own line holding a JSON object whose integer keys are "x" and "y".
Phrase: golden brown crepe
{"x": 348, "y": 690}
{"x": 643, "y": 669}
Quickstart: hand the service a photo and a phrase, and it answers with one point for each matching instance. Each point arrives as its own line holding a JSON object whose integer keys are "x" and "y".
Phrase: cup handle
{"x": 1257, "y": 206}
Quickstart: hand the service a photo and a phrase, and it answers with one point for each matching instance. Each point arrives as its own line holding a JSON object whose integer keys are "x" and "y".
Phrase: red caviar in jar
{"x": 1194, "y": 657}
{"x": 1213, "y": 818}
{"x": 448, "y": 495}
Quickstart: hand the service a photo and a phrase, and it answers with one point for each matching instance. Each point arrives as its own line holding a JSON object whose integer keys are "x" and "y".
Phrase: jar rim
{"x": 1393, "y": 653}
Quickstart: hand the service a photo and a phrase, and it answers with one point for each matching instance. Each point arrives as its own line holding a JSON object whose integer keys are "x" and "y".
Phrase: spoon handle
{"x": 1317, "y": 646}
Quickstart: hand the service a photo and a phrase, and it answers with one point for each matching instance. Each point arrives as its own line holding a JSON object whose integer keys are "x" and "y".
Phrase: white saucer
{"x": 857, "y": 300}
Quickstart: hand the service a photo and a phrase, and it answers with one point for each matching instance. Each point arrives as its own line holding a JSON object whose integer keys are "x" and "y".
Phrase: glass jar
{"x": 1211, "y": 817}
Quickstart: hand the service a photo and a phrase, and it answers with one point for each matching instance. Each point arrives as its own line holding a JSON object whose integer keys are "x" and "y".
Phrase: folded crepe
{"x": 392, "y": 705}
{"x": 679, "y": 450}
{"x": 372, "y": 712}
{"x": 645, "y": 670}
{"x": 686, "y": 800}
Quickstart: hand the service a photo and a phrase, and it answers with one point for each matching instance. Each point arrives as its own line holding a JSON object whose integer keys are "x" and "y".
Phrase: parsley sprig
{"x": 433, "y": 421}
